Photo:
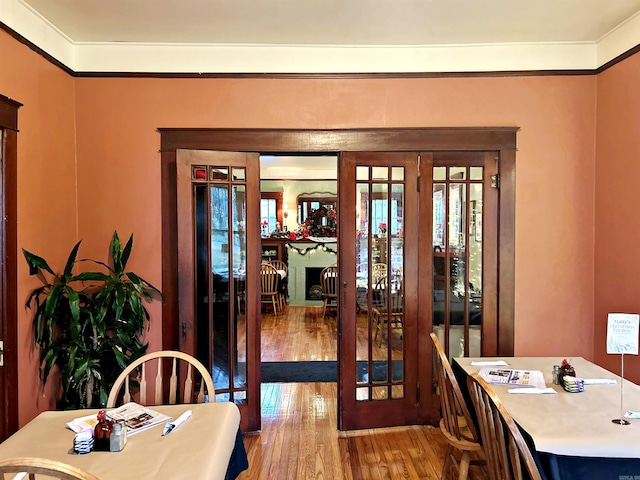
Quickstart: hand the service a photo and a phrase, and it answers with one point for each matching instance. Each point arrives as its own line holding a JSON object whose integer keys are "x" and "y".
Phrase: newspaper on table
{"x": 136, "y": 417}
{"x": 513, "y": 378}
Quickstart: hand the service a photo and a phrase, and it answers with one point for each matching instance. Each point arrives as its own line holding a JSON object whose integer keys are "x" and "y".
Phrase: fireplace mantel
{"x": 312, "y": 257}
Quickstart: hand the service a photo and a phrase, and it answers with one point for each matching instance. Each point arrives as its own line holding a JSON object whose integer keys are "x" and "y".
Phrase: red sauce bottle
{"x": 102, "y": 433}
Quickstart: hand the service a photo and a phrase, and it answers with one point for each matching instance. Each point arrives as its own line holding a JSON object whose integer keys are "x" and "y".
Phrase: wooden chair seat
{"x": 41, "y": 468}
{"x": 135, "y": 376}
{"x": 464, "y": 440}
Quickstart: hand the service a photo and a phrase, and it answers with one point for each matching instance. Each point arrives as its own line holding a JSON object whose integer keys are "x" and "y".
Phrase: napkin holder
{"x": 572, "y": 384}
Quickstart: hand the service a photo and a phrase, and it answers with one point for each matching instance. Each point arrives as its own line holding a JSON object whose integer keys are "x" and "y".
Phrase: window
{"x": 270, "y": 212}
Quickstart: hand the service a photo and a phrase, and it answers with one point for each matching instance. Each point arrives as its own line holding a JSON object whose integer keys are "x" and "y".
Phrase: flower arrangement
{"x": 382, "y": 228}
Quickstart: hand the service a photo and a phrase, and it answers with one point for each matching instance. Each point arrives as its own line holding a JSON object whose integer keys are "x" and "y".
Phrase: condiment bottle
{"x": 556, "y": 374}
{"x": 102, "y": 433}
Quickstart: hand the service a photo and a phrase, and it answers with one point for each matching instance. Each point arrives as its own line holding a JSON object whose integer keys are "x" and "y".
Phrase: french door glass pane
{"x": 379, "y": 283}
{"x": 221, "y": 260}
{"x": 457, "y": 258}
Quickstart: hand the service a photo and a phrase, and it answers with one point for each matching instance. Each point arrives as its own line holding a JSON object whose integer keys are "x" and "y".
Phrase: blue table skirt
{"x": 560, "y": 467}
{"x": 238, "y": 462}
{"x": 565, "y": 467}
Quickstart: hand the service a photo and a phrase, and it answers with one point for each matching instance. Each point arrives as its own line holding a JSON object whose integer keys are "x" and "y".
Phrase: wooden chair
{"x": 387, "y": 310}
{"x": 269, "y": 286}
{"x": 456, "y": 423}
{"x": 504, "y": 447}
{"x": 378, "y": 271}
{"x": 136, "y": 373}
{"x": 329, "y": 285}
{"x": 37, "y": 468}
{"x": 281, "y": 266}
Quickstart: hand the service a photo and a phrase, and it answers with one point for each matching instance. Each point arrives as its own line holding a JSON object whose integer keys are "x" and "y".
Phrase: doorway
{"x": 499, "y": 141}
{"x": 295, "y": 191}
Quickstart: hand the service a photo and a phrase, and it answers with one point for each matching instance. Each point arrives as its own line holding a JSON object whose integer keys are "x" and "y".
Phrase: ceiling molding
{"x": 199, "y": 59}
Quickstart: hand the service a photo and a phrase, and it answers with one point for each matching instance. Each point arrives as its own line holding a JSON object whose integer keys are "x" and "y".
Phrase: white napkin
{"x": 490, "y": 363}
{"x": 531, "y": 390}
{"x": 631, "y": 414}
{"x": 599, "y": 381}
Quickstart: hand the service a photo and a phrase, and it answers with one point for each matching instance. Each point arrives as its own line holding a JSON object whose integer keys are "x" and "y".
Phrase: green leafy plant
{"x": 89, "y": 324}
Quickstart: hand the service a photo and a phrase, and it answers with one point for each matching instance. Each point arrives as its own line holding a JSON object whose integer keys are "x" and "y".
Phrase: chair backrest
{"x": 453, "y": 408}
{"x": 280, "y": 265}
{"x": 37, "y": 468}
{"x": 136, "y": 373}
{"x": 268, "y": 279}
{"x": 378, "y": 271}
{"x": 381, "y": 299}
{"x": 505, "y": 449}
{"x": 329, "y": 280}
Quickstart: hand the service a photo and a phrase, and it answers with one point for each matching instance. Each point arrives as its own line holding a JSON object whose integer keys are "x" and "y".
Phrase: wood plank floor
{"x": 300, "y": 438}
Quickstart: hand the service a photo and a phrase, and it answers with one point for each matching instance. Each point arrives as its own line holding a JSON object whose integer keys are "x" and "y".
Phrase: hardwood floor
{"x": 300, "y": 437}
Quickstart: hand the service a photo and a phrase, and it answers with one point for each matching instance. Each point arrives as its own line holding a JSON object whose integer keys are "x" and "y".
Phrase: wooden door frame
{"x": 501, "y": 140}
{"x": 9, "y": 265}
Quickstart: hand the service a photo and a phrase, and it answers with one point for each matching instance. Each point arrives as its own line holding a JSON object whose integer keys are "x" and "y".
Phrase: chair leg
{"x": 464, "y": 465}
{"x": 447, "y": 462}
{"x": 324, "y": 308}
{"x": 273, "y": 301}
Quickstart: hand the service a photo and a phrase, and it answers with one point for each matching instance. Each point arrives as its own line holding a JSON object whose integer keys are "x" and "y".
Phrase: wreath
{"x": 322, "y": 222}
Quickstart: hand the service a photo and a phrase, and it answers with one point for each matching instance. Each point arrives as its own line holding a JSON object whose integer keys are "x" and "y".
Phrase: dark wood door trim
{"x": 498, "y": 139}
{"x": 9, "y": 269}
{"x": 506, "y": 251}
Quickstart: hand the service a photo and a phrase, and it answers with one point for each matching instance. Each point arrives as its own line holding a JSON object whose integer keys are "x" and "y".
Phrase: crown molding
{"x": 85, "y": 59}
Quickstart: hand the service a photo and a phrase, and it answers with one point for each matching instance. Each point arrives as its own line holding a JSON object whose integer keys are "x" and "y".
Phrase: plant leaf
{"x": 68, "y": 269}
{"x": 125, "y": 254}
{"x": 116, "y": 249}
{"x": 37, "y": 261}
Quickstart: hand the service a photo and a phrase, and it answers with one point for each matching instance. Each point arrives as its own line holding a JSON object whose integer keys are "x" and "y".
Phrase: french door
{"x": 378, "y": 300}
{"x": 464, "y": 237}
{"x": 423, "y": 230}
{"x": 218, "y": 257}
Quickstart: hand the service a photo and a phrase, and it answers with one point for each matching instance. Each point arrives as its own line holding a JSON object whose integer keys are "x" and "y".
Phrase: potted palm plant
{"x": 88, "y": 324}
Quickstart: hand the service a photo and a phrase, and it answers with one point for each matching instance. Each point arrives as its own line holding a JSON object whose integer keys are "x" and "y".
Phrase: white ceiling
{"x": 217, "y": 36}
{"x": 283, "y": 167}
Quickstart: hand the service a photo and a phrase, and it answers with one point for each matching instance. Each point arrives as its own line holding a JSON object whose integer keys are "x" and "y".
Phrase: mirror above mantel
{"x": 295, "y": 179}
{"x": 309, "y": 201}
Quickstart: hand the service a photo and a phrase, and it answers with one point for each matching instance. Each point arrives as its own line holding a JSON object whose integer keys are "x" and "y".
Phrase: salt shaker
{"x": 118, "y": 438}
{"x": 556, "y": 375}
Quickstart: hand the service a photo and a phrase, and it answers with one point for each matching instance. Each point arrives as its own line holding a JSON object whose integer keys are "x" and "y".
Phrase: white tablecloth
{"x": 200, "y": 448}
{"x": 575, "y": 424}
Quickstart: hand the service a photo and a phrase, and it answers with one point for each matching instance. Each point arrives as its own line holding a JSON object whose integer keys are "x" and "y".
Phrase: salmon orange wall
{"x": 119, "y": 165}
{"x": 118, "y": 169}
{"x": 617, "y": 225}
{"x": 47, "y": 210}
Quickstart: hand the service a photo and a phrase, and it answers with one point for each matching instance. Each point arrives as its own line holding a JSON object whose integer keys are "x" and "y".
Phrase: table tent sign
{"x": 622, "y": 337}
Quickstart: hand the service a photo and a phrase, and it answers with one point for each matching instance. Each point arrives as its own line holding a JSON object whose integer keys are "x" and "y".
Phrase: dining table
{"x": 203, "y": 447}
{"x": 571, "y": 435}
